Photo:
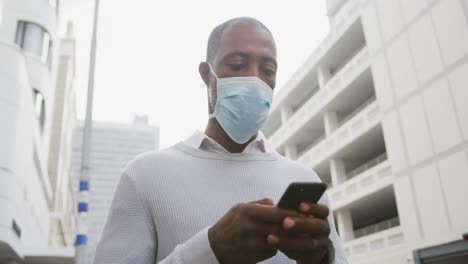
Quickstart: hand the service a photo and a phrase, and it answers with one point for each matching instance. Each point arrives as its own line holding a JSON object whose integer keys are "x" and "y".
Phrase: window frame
{"x": 39, "y": 111}
{"x": 46, "y": 46}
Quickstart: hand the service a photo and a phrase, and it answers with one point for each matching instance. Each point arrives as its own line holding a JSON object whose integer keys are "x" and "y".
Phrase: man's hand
{"x": 240, "y": 236}
{"x": 309, "y": 242}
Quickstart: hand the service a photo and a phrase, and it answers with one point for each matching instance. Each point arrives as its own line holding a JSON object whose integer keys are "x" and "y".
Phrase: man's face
{"x": 245, "y": 49}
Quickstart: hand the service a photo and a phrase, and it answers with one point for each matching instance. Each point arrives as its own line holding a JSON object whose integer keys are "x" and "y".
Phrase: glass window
{"x": 39, "y": 106}
{"x": 34, "y": 39}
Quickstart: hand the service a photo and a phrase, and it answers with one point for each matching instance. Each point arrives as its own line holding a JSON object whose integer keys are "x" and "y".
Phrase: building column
{"x": 286, "y": 113}
{"x": 323, "y": 76}
{"x": 290, "y": 151}
{"x": 338, "y": 171}
{"x": 344, "y": 224}
{"x": 330, "y": 122}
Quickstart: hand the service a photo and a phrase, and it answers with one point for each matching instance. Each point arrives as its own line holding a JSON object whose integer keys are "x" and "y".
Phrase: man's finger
{"x": 268, "y": 213}
{"x": 317, "y": 210}
{"x": 298, "y": 244}
{"x": 307, "y": 225}
{"x": 264, "y": 228}
{"x": 264, "y": 201}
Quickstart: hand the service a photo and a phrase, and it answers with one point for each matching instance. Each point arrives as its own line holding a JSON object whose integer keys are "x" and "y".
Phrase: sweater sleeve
{"x": 130, "y": 237}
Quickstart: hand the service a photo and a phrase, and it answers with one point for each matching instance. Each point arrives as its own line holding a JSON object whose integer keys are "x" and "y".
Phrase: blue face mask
{"x": 242, "y": 105}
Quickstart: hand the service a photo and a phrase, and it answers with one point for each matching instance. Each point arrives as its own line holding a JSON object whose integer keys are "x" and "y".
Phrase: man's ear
{"x": 204, "y": 71}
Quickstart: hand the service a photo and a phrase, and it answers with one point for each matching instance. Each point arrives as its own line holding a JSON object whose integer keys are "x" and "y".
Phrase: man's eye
{"x": 236, "y": 67}
{"x": 268, "y": 72}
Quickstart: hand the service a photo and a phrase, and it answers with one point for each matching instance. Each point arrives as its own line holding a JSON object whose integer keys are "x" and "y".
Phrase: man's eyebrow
{"x": 234, "y": 54}
{"x": 244, "y": 55}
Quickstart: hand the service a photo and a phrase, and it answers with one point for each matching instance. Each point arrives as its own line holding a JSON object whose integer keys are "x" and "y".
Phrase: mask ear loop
{"x": 212, "y": 71}
{"x": 212, "y": 115}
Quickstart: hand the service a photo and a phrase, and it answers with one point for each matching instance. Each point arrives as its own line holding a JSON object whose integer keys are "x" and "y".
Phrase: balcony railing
{"x": 369, "y": 181}
{"x": 357, "y": 110}
{"x": 384, "y": 225}
{"x": 371, "y": 163}
{"x": 344, "y": 18}
{"x": 348, "y": 132}
{"x": 391, "y": 238}
{"x": 346, "y": 13}
{"x": 340, "y": 67}
{"x": 317, "y": 102}
{"x": 305, "y": 97}
{"x": 311, "y": 145}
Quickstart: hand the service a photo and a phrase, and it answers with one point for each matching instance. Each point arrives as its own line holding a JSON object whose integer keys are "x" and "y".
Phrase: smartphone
{"x": 298, "y": 192}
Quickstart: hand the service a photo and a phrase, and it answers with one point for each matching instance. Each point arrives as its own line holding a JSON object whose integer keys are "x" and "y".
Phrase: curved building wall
{"x": 24, "y": 183}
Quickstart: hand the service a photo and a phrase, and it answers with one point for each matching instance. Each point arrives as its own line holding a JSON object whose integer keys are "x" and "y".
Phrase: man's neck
{"x": 217, "y": 133}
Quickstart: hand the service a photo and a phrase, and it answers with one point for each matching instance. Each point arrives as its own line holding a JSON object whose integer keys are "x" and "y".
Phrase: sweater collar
{"x": 200, "y": 140}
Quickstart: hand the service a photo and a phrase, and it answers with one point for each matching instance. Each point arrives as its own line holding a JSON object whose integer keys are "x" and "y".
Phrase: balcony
{"x": 342, "y": 25}
{"x": 356, "y": 110}
{"x": 364, "y": 122}
{"x": 305, "y": 90}
{"x": 362, "y": 185}
{"x": 391, "y": 239}
{"x": 343, "y": 51}
{"x": 304, "y": 95}
{"x": 375, "y": 228}
{"x": 315, "y": 105}
{"x": 301, "y": 149}
{"x": 364, "y": 167}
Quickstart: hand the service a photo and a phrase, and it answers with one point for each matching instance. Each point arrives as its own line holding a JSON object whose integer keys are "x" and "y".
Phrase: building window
{"x": 39, "y": 107}
{"x": 35, "y": 40}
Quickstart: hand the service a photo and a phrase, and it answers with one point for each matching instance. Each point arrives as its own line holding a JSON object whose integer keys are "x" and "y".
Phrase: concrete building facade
{"x": 379, "y": 112}
{"x": 112, "y": 147}
{"x": 27, "y": 46}
{"x": 32, "y": 70}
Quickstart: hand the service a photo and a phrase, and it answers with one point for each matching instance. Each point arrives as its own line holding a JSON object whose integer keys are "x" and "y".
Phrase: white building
{"x": 379, "y": 111}
{"x": 112, "y": 147}
{"x": 63, "y": 206}
{"x": 28, "y": 42}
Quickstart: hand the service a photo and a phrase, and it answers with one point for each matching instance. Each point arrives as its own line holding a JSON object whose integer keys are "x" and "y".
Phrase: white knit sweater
{"x": 166, "y": 200}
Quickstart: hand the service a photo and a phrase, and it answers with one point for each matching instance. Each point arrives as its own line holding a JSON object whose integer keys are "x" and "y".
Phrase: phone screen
{"x": 298, "y": 192}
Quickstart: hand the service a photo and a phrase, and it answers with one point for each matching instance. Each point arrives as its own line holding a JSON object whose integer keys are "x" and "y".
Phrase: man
{"x": 192, "y": 203}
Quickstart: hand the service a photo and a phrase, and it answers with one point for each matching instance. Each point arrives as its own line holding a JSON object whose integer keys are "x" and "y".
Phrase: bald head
{"x": 215, "y": 37}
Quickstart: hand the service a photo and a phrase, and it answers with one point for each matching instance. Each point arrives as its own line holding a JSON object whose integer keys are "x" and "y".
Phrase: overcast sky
{"x": 149, "y": 51}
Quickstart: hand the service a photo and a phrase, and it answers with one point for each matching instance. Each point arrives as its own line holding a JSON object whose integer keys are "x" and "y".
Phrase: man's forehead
{"x": 248, "y": 37}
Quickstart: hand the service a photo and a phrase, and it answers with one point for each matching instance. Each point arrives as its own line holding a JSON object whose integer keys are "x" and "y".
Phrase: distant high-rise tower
{"x": 379, "y": 111}
{"x": 112, "y": 147}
